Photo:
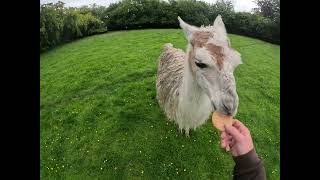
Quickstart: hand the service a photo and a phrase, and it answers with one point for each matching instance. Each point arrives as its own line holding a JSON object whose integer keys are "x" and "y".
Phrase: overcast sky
{"x": 239, "y": 5}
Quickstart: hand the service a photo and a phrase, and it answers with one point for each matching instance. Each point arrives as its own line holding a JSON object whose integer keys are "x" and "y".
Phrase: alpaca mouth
{"x": 227, "y": 113}
{"x": 224, "y": 110}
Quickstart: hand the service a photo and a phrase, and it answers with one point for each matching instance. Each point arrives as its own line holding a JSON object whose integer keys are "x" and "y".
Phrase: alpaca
{"x": 192, "y": 85}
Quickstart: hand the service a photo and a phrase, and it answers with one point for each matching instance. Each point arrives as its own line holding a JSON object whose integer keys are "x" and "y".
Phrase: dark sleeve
{"x": 249, "y": 167}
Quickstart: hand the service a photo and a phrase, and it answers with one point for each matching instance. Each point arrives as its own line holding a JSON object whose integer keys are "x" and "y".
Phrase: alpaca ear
{"x": 219, "y": 27}
{"x": 234, "y": 57}
{"x": 188, "y": 29}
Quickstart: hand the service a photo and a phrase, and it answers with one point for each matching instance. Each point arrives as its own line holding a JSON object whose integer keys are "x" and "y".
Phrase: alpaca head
{"x": 212, "y": 61}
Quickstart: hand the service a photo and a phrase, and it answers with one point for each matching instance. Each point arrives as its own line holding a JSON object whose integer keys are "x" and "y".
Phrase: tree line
{"x": 60, "y": 24}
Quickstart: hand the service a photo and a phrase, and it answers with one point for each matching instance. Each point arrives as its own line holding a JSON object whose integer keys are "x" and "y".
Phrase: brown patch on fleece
{"x": 200, "y": 39}
{"x": 217, "y": 52}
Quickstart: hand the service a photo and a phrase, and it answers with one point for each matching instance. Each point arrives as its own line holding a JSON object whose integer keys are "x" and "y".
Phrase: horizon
{"x": 239, "y": 5}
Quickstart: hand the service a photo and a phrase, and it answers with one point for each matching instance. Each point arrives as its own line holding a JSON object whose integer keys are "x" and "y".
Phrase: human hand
{"x": 237, "y": 139}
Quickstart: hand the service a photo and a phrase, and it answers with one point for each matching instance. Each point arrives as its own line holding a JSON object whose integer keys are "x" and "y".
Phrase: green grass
{"x": 100, "y": 118}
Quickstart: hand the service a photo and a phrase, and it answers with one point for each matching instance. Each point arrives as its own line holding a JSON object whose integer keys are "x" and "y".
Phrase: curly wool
{"x": 169, "y": 79}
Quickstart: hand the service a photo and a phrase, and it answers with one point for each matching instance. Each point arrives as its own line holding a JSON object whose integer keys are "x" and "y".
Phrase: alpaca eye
{"x": 201, "y": 65}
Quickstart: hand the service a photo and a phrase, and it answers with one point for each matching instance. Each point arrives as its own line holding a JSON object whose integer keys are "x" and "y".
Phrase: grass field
{"x": 100, "y": 118}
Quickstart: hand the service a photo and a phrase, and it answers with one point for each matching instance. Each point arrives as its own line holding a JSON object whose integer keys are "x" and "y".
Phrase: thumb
{"x": 234, "y": 132}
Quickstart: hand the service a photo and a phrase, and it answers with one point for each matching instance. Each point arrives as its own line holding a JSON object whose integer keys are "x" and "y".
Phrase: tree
{"x": 59, "y": 24}
{"x": 268, "y": 8}
{"x": 51, "y": 24}
{"x": 71, "y": 29}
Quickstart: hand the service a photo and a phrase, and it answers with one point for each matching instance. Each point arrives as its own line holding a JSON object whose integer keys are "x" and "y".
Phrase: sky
{"x": 239, "y": 5}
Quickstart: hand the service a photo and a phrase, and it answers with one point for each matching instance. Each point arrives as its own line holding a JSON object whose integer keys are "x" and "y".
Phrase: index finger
{"x": 234, "y": 132}
{"x": 241, "y": 127}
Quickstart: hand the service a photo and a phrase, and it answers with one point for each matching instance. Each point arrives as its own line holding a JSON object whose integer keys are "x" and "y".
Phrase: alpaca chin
{"x": 193, "y": 112}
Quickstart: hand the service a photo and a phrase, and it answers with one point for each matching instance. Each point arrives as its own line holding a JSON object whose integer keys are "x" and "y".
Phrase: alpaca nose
{"x": 229, "y": 105}
{"x": 213, "y": 105}
{"x": 227, "y": 109}
{"x": 230, "y": 102}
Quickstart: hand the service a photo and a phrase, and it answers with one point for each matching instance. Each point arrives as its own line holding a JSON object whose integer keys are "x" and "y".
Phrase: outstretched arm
{"x": 247, "y": 164}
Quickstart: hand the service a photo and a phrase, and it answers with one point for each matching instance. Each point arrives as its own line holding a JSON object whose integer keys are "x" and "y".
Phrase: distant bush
{"x": 254, "y": 26}
{"x": 59, "y": 24}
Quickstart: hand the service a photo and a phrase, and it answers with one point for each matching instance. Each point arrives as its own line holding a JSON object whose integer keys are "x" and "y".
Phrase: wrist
{"x": 244, "y": 150}
{"x": 247, "y": 160}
